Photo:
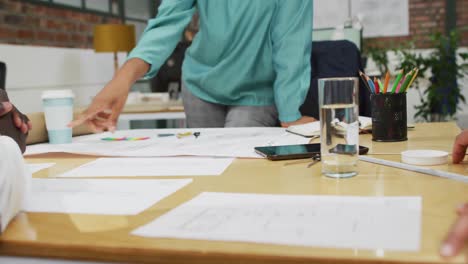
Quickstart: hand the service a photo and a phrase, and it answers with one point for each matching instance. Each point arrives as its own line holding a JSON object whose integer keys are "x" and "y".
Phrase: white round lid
{"x": 424, "y": 157}
{"x": 53, "y": 94}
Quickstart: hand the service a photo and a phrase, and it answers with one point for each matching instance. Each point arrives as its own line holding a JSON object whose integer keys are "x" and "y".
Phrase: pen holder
{"x": 389, "y": 117}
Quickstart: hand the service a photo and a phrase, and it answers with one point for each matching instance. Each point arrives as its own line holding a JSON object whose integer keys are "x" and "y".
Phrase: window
{"x": 140, "y": 9}
{"x": 98, "y": 5}
{"x": 138, "y": 12}
{"x": 103, "y": 7}
{"x": 75, "y": 3}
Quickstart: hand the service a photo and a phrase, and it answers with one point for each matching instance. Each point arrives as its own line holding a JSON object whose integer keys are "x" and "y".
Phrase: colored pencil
{"x": 397, "y": 80}
{"x": 371, "y": 84}
{"x": 400, "y": 83}
{"x": 406, "y": 82}
{"x": 387, "y": 79}
{"x": 376, "y": 85}
{"x": 361, "y": 74}
{"x": 412, "y": 79}
{"x": 381, "y": 86}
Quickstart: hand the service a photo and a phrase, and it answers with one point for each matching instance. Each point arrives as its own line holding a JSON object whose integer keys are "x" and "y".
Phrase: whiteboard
{"x": 382, "y": 18}
{"x": 330, "y": 13}
{"x": 379, "y": 18}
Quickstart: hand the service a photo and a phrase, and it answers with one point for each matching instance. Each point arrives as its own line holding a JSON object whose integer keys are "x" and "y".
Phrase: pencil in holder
{"x": 389, "y": 117}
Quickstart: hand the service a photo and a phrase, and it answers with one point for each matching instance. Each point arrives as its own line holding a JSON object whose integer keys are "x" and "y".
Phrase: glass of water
{"x": 339, "y": 126}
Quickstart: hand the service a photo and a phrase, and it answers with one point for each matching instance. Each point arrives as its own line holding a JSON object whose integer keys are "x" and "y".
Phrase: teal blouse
{"x": 247, "y": 52}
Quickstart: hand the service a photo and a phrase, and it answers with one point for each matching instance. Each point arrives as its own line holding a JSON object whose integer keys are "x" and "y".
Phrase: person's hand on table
{"x": 459, "y": 147}
{"x": 104, "y": 110}
{"x": 300, "y": 121}
{"x": 458, "y": 234}
{"x": 457, "y": 237}
{"x": 21, "y": 121}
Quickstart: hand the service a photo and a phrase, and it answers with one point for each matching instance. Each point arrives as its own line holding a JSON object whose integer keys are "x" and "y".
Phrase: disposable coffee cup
{"x": 58, "y": 112}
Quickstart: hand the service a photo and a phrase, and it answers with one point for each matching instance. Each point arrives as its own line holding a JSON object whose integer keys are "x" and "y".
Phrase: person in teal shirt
{"x": 249, "y": 64}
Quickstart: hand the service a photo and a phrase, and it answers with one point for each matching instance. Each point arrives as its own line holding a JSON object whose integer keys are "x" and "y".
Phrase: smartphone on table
{"x": 302, "y": 151}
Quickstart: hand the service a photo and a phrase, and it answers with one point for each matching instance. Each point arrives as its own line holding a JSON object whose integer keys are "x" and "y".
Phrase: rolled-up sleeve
{"x": 163, "y": 33}
{"x": 292, "y": 43}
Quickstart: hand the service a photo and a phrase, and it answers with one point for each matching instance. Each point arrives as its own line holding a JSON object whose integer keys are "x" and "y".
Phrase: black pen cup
{"x": 389, "y": 122}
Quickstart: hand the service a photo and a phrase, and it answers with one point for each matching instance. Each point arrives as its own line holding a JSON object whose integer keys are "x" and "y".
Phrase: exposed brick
{"x": 85, "y": 28}
{"x": 79, "y": 39}
{"x": 45, "y": 36}
{"x": 62, "y": 37}
{"x": 25, "y": 34}
{"x": 7, "y": 33}
{"x": 24, "y": 22}
{"x": 69, "y": 26}
{"x": 33, "y": 22}
{"x": 15, "y": 6}
{"x": 13, "y": 19}
{"x": 53, "y": 24}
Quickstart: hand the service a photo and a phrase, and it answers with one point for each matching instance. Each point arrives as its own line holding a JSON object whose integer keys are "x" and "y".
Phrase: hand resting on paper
{"x": 457, "y": 237}
{"x": 302, "y": 120}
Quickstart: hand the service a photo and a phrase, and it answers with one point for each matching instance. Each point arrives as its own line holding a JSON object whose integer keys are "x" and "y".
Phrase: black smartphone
{"x": 304, "y": 151}
{"x": 348, "y": 149}
{"x": 289, "y": 151}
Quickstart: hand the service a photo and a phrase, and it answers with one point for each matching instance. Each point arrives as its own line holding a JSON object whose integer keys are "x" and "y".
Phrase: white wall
{"x": 413, "y": 97}
{"x": 31, "y": 70}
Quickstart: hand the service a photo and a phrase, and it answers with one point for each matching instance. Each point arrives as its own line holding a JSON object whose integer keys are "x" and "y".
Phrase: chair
{"x": 347, "y": 33}
{"x": 171, "y": 71}
{"x": 329, "y": 59}
{"x": 2, "y": 75}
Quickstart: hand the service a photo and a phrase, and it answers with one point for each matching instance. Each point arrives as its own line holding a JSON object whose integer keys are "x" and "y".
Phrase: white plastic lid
{"x": 53, "y": 94}
{"x": 424, "y": 157}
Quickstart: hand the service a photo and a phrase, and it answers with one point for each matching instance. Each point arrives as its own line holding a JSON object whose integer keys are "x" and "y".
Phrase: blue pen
{"x": 166, "y": 135}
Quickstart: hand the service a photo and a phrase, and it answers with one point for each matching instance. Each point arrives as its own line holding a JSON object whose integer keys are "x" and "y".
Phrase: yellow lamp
{"x": 114, "y": 38}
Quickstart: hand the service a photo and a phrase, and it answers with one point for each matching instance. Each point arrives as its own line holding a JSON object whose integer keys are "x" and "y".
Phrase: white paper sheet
{"x": 389, "y": 223}
{"x": 35, "y": 167}
{"x": 174, "y": 166}
{"x": 214, "y": 142}
{"x": 107, "y": 197}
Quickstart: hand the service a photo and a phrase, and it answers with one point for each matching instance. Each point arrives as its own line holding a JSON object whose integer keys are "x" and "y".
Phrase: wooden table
{"x": 106, "y": 238}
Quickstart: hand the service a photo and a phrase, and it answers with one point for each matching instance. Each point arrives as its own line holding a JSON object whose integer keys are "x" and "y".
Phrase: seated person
{"x": 458, "y": 235}
{"x": 12, "y": 122}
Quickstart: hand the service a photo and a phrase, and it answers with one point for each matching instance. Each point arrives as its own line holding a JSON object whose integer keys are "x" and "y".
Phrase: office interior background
{"x": 48, "y": 44}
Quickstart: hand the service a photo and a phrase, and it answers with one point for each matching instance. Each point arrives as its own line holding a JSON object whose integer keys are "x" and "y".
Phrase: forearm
{"x": 130, "y": 72}
{"x": 291, "y": 38}
{"x": 163, "y": 33}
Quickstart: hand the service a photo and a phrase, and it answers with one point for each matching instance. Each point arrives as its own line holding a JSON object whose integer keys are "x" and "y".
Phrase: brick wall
{"x": 40, "y": 25}
{"x": 462, "y": 20}
{"x": 36, "y": 24}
